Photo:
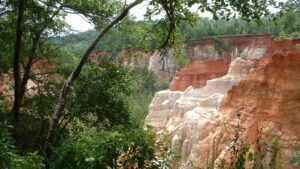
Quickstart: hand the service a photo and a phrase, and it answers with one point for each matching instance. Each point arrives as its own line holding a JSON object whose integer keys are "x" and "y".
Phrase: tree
{"x": 19, "y": 32}
{"x": 43, "y": 18}
{"x": 41, "y": 21}
{"x": 106, "y": 86}
{"x": 59, "y": 109}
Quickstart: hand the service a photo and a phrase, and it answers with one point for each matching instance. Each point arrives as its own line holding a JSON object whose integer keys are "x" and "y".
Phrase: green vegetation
{"x": 89, "y": 114}
{"x": 222, "y": 46}
{"x": 9, "y": 157}
{"x": 178, "y": 52}
{"x": 200, "y": 28}
{"x": 120, "y": 148}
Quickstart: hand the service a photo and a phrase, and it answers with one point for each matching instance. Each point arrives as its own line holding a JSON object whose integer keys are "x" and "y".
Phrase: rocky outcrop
{"x": 261, "y": 105}
{"x": 203, "y": 50}
{"x": 196, "y": 74}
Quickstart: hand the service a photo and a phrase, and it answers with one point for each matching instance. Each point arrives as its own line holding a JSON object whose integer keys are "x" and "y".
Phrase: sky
{"x": 79, "y": 23}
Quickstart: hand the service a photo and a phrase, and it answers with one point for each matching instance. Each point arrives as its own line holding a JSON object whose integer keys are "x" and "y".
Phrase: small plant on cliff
{"x": 240, "y": 152}
{"x": 282, "y": 36}
{"x": 179, "y": 55}
{"x": 222, "y": 46}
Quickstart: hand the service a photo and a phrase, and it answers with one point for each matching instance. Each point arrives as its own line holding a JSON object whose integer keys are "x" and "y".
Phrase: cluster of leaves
{"x": 8, "y": 154}
{"x": 101, "y": 90}
{"x": 284, "y": 36}
{"x": 222, "y": 46}
{"x": 118, "y": 148}
{"x": 97, "y": 12}
{"x": 36, "y": 32}
{"x": 179, "y": 54}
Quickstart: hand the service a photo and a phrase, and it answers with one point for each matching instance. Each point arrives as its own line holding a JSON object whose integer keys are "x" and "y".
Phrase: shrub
{"x": 222, "y": 46}
{"x": 9, "y": 157}
{"x": 121, "y": 148}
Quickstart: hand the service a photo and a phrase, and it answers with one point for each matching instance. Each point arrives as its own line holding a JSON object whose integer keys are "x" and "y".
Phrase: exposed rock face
{"x": 196, "y": 74}
{"x": 264, "y": 93}
{"x": 5, "y": 89}
{"x": 246, "y": 46}
{"x": 186, "y": 114}
{"x": 134, "y": 57}
{"x": 164, "y": 68}
{"x": 203, "y": 50}
{"x": 268, "y": 101}
{"x": 162, "y": 108}
{"x": 41, "y": 69}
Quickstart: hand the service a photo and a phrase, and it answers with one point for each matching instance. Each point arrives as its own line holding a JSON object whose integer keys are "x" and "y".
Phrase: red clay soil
{"x": 269, "y": 99}
{"x": 44, "y": 68}
{"x": 196, "y": 74}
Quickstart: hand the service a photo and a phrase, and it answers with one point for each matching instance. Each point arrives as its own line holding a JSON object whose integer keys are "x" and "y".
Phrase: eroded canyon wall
{"x": 260, "y": 97}
{"x": 222, "y": 48}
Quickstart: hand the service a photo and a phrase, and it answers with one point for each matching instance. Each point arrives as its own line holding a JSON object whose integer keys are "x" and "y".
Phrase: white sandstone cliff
{"x": 191, "y": 117}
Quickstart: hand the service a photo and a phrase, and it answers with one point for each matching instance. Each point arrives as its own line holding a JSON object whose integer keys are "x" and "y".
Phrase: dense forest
{"x": 87, "y": 114}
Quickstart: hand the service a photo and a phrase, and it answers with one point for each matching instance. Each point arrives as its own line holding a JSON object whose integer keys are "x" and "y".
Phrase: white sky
{"x": 79, "y": 23}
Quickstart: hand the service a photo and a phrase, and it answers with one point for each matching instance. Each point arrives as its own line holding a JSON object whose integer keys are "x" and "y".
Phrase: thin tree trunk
{"x": 19, "y": 32}
{"x": 59, "y": 108}
{"x": 28, "y": 66}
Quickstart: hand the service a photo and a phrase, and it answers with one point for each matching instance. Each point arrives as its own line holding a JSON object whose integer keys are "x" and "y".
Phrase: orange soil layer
{"x": 196, "y": 74}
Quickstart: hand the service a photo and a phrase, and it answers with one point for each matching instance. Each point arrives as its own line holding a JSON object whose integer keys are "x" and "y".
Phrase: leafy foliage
{"x": 222, "y": 46}
{"x": 8, "y": 155}
{"x": 105, "y": 88}
{"x": 120, "y": 148}
{"x": 145, "y": 85}
{"x": 178, "y": 53}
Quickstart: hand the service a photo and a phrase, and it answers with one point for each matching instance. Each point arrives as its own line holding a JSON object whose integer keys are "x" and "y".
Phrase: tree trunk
{"x": 19, "y": 32}
{"x": 28, "y": 66}
{"x": 59, "y": 108}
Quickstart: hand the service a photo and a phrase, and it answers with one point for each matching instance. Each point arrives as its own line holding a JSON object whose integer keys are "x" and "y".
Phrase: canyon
{"x": 236, "y": 91}
{"x": 206, "y": 54}
{"x": 252, "y": 103}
